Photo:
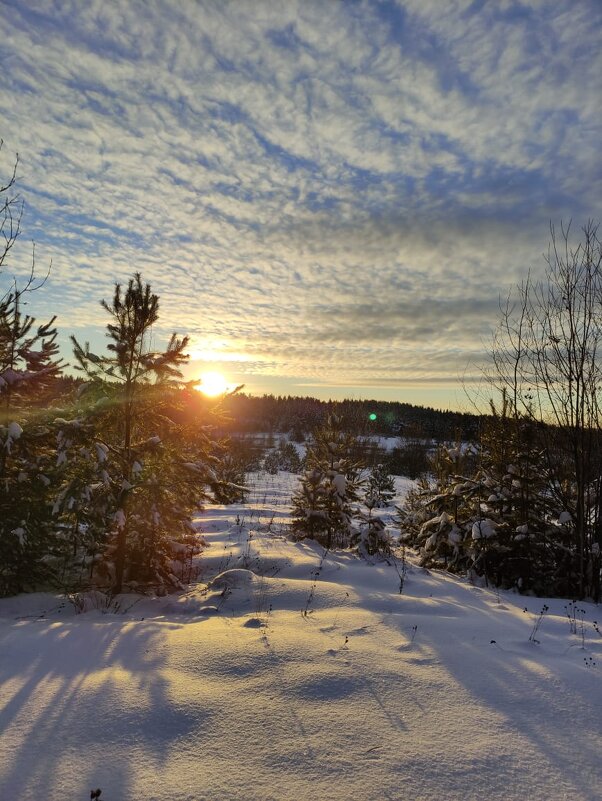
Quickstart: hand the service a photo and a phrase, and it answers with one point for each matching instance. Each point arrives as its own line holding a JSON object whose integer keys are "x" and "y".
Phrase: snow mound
{"x": 231, "y": 579}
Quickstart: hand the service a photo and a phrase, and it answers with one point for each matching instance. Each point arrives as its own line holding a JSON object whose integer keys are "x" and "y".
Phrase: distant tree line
{"x": 359, "y": 417}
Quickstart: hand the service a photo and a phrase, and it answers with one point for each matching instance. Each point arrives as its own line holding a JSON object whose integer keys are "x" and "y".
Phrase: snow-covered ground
{"x": 291, "y": 674}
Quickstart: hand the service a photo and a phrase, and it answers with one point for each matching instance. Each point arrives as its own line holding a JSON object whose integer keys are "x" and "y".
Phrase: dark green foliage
{"x": 230, "y": 473}
{"x": 496, "y": 516}
{"x": 246, "y": 451}
{"x": 29, "y": 546}
{"x": 381, "y": 487}
{"x": 410, "y": 457}
{"x": 436, "y": 515}
{"x": 323, "y": 507}
{"x": 237, "y": 457}
{"x": 297, "y": 435}
{"x": 103, "y": 492}
{"x": 298, "y": 416}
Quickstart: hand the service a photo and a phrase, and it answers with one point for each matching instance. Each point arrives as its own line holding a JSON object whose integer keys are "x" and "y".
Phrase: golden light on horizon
{"x": 212, "y": 383}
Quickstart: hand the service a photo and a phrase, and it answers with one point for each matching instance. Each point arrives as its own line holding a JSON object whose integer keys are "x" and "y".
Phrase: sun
{"x": 212, "y": 384}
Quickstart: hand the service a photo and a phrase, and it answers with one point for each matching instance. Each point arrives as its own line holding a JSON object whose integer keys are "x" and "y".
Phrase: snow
{"x": 14, "y": 430}
{"x": 10, "y": 376}
{"x": 102, "y": 452}
{"x": 289, "y": 674}
{"x": 484, "y": 529}
{"x": 339, "y": 482}
{"x": 19, "y": 533}
{"x": 13, "y": 433}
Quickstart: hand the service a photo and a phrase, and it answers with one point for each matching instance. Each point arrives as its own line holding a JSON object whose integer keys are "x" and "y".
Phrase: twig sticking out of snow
{"x": 305, "y": 611}
{"x": 413, "y": 635}
{"x": 537, "y": 624}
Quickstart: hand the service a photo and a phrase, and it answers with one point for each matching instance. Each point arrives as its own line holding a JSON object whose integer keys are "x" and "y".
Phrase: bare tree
{"x": 547, "y": 359}
{"x": 11, "y": 210}
{"x": 28, "y": 354}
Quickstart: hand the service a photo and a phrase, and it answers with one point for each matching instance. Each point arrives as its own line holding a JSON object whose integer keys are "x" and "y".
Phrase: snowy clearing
{"x": 290, "y": 674}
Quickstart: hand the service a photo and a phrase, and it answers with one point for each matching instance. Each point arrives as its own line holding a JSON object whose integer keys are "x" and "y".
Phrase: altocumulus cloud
{"x": 335, "y": 192}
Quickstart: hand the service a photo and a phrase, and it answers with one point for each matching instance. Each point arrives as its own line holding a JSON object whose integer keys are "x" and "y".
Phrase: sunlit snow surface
{"x": 230, "y": 692}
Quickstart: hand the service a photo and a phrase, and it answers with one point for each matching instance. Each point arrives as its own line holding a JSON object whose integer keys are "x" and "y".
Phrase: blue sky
{"x": 329, "y": 197}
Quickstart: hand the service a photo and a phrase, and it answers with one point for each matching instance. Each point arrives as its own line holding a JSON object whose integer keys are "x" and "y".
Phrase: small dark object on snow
{"x": 95, "y": 793}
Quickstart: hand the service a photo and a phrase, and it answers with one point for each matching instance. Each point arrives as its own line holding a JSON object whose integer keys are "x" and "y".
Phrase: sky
{"x": 329, "y": 197}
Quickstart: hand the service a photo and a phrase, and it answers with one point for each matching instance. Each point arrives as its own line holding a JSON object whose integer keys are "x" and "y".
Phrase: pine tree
{"x": 28, "y": 367}
{"x": 323, "y": 507}
{"x": 284, "y": 457}
{"x": 29, "y": 543}
{"x": 438, "y": 513}
{"x": 497, "y": 517}
{"x": 150, "y": 476}
{"x": 372, "y": 536}
{"x": 531, "y": 549}
{"x": 381, "y": 487}
{"x": 230, "y": 473}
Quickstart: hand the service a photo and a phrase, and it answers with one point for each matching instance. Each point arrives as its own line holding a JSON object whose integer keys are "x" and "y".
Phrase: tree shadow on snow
{"x": 87, "y": 693}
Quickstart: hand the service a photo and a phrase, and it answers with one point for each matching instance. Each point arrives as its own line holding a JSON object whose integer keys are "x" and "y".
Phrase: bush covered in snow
{"x": 495, "y": 515}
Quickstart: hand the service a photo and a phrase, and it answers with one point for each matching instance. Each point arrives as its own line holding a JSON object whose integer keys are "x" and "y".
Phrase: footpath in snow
{"x": 288, "y": 673}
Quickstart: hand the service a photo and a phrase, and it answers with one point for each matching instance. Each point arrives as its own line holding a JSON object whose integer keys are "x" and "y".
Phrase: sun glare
{"x": 212, "y": 383}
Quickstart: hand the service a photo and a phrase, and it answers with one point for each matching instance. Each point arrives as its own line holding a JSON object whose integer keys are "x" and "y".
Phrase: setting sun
{"x": 212, "y": 383}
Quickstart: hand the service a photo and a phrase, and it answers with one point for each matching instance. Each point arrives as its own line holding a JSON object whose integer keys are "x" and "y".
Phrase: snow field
{"x": 288, "y": 674}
